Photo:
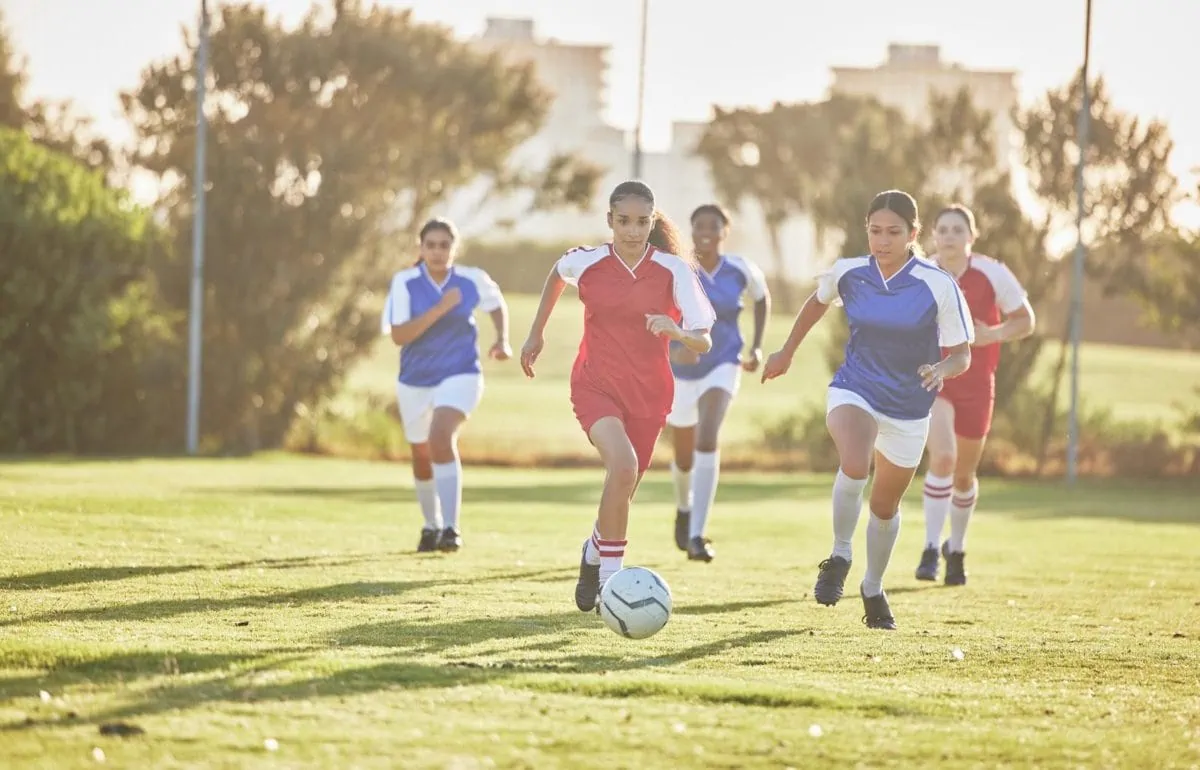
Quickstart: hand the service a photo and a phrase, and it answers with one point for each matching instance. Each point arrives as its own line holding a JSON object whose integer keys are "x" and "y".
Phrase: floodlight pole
{"x": 641, "y": 96}
{"x": 1077, "y": 277}
{"x": 196, "y": 313}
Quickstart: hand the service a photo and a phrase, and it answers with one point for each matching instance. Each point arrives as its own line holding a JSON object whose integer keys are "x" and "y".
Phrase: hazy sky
{"x": 749, "y": 52}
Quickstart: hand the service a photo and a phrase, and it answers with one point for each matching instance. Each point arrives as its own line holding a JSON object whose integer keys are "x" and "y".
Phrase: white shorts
{"x": 901, "y": 441}
{"x": 461, "y": 392}
{"x": 685, "y": 409}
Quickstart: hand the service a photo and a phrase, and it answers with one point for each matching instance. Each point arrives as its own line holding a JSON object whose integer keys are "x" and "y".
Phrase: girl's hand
{"x": 752, "y": 360}
{"x": 777, "y": 365}
{"x": 931, "y": 377}
{"x": 529, "y": 353}
{"x": 663, "y": 326}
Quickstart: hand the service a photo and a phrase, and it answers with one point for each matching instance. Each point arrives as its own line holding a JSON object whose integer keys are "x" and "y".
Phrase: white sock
{"x": 962, "y": 505}
{"x": 847, "y": 505}
{"x": 881, "y": 539}
{"x": 448, "y": 479}
{"x": 427, "y": 497}
{"x": 937, "y": 505}
{"x": 705, "y": 472}
{"x": 612, "y": 554}
{"x": 683, "y": 488}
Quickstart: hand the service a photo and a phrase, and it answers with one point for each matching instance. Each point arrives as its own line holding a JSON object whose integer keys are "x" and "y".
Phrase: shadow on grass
{"x": 239, "y": 679}
{"x": 652, "y": 492}
{"x": 167, "y": 608}
{"x": 38, "y": 581}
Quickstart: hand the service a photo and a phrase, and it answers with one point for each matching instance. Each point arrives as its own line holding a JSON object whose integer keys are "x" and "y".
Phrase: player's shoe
{"x": 956, "y": 571}
{"x": 876, "y": 612}
{"x": 683, "y": 526}
{"x": 928, "y": 568}
{"x": 831, "y": 580}
{"x": 700, "y": 549}
{"x": 587, "y": 588}
{"x": 450, "y": 540}
{"x": 429, "y": 540}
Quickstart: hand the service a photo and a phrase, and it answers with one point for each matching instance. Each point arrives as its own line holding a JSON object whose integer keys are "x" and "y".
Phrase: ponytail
{"x": 665, "y": 236}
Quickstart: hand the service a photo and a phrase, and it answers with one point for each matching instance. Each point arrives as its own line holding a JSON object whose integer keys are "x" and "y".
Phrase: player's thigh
{"x": 853, "y": 425}
{"x": 643, "y": 436}
{"x": 616, "y": 448}
{"x": 416, "y": 412}
{"x": 970, "y": 452}
{"x": 889, "y": 485}
{"x": 942, "y": 443}
{"x": 461, "y": 393}
{"x": 714, "y": 405}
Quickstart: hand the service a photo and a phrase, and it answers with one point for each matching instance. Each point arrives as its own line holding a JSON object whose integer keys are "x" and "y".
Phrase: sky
{"x": 748, "y": 53}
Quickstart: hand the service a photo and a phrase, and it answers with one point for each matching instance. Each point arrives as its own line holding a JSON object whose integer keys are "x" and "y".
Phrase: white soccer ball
{"x": 636, "y": 603}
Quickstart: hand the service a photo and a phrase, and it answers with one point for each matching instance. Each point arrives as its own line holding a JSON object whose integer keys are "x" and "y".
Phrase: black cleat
{"x": 450, "y": 540}
{"x": 429, "y": 541}
{"x": 928, "y": 568}
{"x": 587, "y": 588}
{"x": 831, "y": 580}
{"x": 700, "y": 549}
{"x": 877, "y": 613}
{"x": 956, "y": 571}
{"x": 683, "y": 526}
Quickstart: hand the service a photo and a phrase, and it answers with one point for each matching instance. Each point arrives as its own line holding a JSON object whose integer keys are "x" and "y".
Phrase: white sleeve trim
{"x": 1010, "y": 294}
{"x": 756, "y": 280}
{"x": 490, "y": 297}
{"x": 574, "y": 263}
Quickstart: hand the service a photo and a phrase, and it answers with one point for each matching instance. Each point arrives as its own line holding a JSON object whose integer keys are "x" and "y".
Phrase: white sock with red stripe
{"x": 937, "y": 504}
{"x": 962, "y": 505}
{"x": 609, "y": 554}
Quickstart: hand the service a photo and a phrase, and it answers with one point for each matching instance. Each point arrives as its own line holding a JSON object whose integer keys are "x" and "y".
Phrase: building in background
{"x": 576, "y": 75}
{"x": 912, "y": 72}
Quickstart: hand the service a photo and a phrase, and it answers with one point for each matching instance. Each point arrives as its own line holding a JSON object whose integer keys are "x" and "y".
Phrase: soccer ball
{"x": 636, "y": 602}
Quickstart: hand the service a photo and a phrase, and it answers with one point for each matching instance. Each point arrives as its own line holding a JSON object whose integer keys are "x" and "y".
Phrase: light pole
{"x": 641, "y": 96}
{"x": 1077, "y": 274}
{"x": 196, "y": 312}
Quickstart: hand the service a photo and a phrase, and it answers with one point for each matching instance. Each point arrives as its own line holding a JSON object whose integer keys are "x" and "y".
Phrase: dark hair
{"x": 437, "y": 223}
{"x": 964, "y": 212}
{"x": 904, "y": 206}
{"x": 664, "y": 236}
{"x": 711, "y": 208}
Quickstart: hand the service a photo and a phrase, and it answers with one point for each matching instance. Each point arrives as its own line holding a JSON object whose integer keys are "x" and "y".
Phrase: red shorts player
{"x": 962, "y": 414}
{"x": 638, "y": 296}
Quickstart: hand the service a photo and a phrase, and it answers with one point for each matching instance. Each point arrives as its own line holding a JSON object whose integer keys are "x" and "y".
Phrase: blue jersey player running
{"x": 902, "y": 310}
{"x": 429, "y": 314}
{"x": 705, "y": 385}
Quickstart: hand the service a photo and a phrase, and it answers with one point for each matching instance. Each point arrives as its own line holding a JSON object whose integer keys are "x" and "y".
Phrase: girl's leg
{"x": 422, "y": 469}
{"x": 604, "y": 551}
{"x": 939, "y": 480}
{"x": 447, "y": 472}
{"x": 683, "y": 439}
{"x": 853, "y": 430}
{"x": 713, "y": 406}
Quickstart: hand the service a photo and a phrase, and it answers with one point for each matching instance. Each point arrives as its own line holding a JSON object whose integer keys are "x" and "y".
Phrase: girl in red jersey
{"x": 638, "y": 297}
{"x": 962, "y": 414}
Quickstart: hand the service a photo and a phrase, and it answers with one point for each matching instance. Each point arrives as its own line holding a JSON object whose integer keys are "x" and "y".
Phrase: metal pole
{"x": 1077, "y": 277}
{"x": 641, "y": 96}
{"x": 196, "y": 315}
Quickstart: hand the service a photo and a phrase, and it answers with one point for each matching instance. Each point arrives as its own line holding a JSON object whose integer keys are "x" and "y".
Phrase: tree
{"x": 328, "y": 145}
{"x": 12, "y": 81}
{"x": 82, "y": 329}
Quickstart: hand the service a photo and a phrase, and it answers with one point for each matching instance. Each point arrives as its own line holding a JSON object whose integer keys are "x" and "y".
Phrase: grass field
{"x": 1136, "y": 383}
{"x": 270, "y": 613}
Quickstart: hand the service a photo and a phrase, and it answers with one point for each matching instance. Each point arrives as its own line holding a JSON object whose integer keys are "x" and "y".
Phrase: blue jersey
{"x": 725, "y": 286}
{"x": 896, "y": 327}
{"x": 451, "y": 345}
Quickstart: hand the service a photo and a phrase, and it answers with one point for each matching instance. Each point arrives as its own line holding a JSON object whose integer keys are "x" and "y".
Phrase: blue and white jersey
{"x": 451, "y": 345}
{"x": 896, "y": 327}
{"x": 725, "y": 286}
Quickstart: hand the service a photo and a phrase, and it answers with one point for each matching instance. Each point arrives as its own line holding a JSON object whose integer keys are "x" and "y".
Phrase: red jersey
{"x": 992, "y": 292}
{"x": 618, "y": 356}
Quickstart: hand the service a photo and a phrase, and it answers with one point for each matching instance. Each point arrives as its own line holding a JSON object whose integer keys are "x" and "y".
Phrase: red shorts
{"x": 972, "y": 410}
{"x": 591, "y": 405}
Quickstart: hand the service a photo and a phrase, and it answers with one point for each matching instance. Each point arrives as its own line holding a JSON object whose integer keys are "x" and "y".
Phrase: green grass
{"x": 219, "y": 604}
{"x": 1135, "y": 383}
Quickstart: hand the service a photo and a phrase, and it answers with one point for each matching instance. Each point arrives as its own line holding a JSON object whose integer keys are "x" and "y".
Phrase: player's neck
{"x": 708, "y": 261}
{"x": 438, "y": 275}
{"x": 954, "y": 264}
{"x": 628, "y": 256}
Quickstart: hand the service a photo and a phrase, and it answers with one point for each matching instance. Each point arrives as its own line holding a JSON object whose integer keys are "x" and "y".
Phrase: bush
{"x": 519, "y": 266}
{"x": 85, "y": 348}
